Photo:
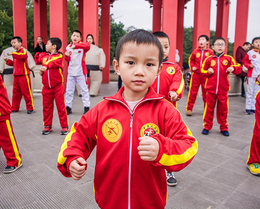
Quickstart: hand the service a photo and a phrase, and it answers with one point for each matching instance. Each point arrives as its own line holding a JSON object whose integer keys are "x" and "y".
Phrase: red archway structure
{"x": 168, "y": 16}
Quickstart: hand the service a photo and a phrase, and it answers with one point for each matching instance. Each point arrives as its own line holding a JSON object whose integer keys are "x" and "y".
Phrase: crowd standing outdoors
{"x": 158, "y": 141}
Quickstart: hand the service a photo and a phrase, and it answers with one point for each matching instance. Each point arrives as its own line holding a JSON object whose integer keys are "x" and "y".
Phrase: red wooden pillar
{"x": 80, "y": 17}
{"x": 40, "y": 20}
{"x": 169, "y": 24}
{"x": 90, "y": 19}
{"x": 180, "y": 30}
{"x": 19, "y": 20}
{"x": 201, "y": 21}
{"x": 157, "y": 15}
{"x": 241, "y": 24}
{"x": 222, "y": 19}
{"x": 105, "y": 37}
{"x": 58, "y": 27}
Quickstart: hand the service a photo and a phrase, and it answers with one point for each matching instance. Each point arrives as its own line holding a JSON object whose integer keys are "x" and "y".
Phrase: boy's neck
{"x": 218, "y": 55}
{"x": 131, "y": 96}
{"x": 52, "y": 51}
{"x": 203, "y": 48}
{"x": 18, "y": 48}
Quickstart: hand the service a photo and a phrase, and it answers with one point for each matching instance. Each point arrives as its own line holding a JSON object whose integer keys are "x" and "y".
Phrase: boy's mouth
{"x": 138, "y": 82}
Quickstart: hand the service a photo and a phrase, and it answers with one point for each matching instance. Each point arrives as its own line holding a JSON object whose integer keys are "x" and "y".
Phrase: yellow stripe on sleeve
{"x": 180, "y": 87}
{"x": 52, "y": 59}
{"x": 61, "y": 159}
{"x": 22, "y": 53}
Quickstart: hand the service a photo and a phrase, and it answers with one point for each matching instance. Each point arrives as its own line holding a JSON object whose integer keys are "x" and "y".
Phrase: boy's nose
{"x": 139, "y": 70}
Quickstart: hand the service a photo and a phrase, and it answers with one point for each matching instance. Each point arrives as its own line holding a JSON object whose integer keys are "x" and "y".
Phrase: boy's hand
{"x": 5, "y": 58}
{"x": 67, "y": 54}
{"x": 9, "y": 53}
{"x": 194, "y": 68}
{"x": 210, "y": 71}
{"x": 173, "y": 95}
{"x": 43, "y": 68}
{"x": 230, "y": 70}
{"x": 78, "y": 168}
{"x": 252, "y": 66}
{"x": 148, "y": 148}
{"x": 73, "y": 47}
{"x": 258, "y": 78}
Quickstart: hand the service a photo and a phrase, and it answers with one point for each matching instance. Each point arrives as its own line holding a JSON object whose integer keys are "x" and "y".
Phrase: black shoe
{"x": 225, "y": 133}
{"x": 205, "y": 131}
{"x": 171, "y": 180}
{"x": 86, "y": 109}
{"x": 92, "y": 95}
{"x": 64, "y": 131}
{"x": 14, "y": 111}
{"x": 11, "y": 169}
{"x": 30, "y": 111}
{"x": 80, "y": 95}
{"x": 68, "y": 110}
{"x": 243, "y": 95}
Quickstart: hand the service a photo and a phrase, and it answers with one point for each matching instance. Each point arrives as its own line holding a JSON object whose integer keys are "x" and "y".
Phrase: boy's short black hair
{"x": 204, "y": 36}
{"x": 218, "y": 38}
{"x": 77, "y": 31}
{"x": 139, "y": 37}
{"x": 55, "y": 41}
{"x": 161, "y": 34}
{"x": 19, "y": 39}
{"x": 255, "y": 38}
{"x": 246, "y": 43}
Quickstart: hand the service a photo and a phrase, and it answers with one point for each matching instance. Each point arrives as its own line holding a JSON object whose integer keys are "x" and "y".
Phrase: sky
{"x": 139, "y": 14}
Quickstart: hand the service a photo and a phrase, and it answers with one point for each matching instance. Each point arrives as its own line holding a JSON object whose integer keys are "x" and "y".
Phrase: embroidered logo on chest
{"x": 149, "y": 129}
{"x": 112, "y": 130}
{"x": 225, "y": 62}
{"x": 44, "y": 60}
{"x": 212, "y": 63}
{"x": 198, "y": 55}
{"x": 170, "y": 70}
{"x": 207, "y": 54}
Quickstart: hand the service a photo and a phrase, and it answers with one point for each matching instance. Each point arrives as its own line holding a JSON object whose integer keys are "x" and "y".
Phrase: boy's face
{"x": 166, "y": 46}
{"x": 138, "y": 67}
{"x": 203, "y": 43}
{"x": 15, "y": 44}
{"x": 219, "y": 46}
{"x": 49, "y": 47}
{"x": 256, "y": 44}
{"x": 75, "y": 37}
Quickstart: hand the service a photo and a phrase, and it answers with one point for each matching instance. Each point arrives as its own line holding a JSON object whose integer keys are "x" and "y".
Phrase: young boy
{"x": 169, "y": 83}
{"x": 216, "y": 68}
{"x": 7, "y": 140}
{"x": 52, "y": 80}
{"x": 197, "y": 79}
{"x": 252, "y": 62}
{"x": 77, "y": 71}
{"x": 136, "y": 131}
{"x": 253, "y": 161}
{"x": 21, "y": 80}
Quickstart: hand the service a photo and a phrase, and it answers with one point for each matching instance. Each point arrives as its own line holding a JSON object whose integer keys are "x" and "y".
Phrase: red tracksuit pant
{"x": 9, "y": 144}
{"x": 254, "y": 151}
{"x": 22, "y": 87}
{"x": 48, "y": 97}
{"x": 222, "y": 110}
{"x": 195, "y": 82}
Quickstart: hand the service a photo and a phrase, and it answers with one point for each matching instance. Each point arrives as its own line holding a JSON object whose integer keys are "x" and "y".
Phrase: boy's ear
{"x": 159, "y": 69}
{"x": 116, "y": 66}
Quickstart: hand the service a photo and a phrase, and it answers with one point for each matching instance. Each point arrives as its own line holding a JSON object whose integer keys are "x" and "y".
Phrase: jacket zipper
{"x": 201, "y": 57}
{"x": 74, "y": 59}
{"x": 49, "y": 82}
{"x": 217, "y": 77}
{"x": 158, "y": 85}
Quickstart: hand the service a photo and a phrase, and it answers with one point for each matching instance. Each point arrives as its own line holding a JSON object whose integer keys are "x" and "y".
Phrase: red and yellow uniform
{"x": 21, "y": 80}
{"x": 52, "y": 80}
{"x": 170, "y": 79}
{"x": 115, "y": 129}
{"x": 217, "y": 87}
{"x": 197, "y": 79}
{"x": 7, "y": 139}
{"x": 254, "y": 151}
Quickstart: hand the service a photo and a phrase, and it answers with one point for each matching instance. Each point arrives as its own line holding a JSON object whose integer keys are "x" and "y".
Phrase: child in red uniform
{"x": 52, "y": 80}
{"x": 216, "y": 68}
{"x": 253, "y": 161}
{"x": 7, "y": 140}
{"x": 169, "y": 83}
{"x": 137, "y": 133}
{"x": 21, "y": 80}
{"x": 197, "y": 79}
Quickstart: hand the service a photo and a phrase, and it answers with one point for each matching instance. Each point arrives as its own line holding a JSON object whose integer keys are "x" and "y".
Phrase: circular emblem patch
{"x": 254, "y": 56}
{"x": 112, "y": 130}
{"x": 206, "y": 54}
{"x": 212, "y": 63}
{"x": 149, "y": 129}
{"x": 198, "y": 55}
{"x": 225, "y": 62}
{"x": 170, "y": 70}
{"x": 44, "y": 60}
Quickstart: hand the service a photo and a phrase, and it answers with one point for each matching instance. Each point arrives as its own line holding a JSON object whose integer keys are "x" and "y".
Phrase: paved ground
{"x": 217, "y": 177}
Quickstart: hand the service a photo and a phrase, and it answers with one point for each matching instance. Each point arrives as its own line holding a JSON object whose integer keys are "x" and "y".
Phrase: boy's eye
{"x": 130, "y": 62}
{"x": 150, "y": 64}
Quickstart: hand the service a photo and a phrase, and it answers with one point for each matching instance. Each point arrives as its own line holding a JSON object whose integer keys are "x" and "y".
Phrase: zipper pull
{"x": 131, "y": 120}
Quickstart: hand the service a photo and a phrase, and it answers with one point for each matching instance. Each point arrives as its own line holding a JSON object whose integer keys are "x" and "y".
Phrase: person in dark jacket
{"x": 40, "y": 47}
{"x": 240, "y": 54}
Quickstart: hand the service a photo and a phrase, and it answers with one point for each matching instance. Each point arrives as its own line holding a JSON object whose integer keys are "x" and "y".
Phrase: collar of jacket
{"x": 256, "y": 50}
{"x": 151, "y": 95}
{"x": 218, "y": 55}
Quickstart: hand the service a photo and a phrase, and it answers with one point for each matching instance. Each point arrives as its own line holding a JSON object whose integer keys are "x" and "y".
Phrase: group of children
{"x": 130, "y": 143}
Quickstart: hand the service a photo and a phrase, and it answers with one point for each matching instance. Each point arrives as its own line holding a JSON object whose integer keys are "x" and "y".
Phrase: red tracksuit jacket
{"x": 114, "y": 129}
{"x": 19, "y": 62}
{"x": 197, "y": 58}
{"x": 218, "y": 82}
{"x": 53, "y": 76}
{"x": 5, "y": 106}
{"x": 170, "y": 79}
